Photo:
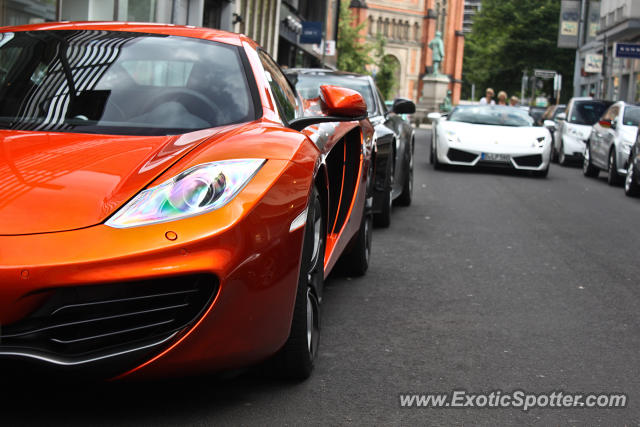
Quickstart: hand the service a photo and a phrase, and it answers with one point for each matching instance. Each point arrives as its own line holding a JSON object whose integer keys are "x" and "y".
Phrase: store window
{"x": 27, "y": 12}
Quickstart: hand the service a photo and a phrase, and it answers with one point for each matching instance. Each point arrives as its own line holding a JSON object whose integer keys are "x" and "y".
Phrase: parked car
{"x": 394, "y": 135}
{"x": 632, "y": 178}
{"x": 610, "y": 142}
{"x": 574, "y": 128}
{"x": 549, "y": 120}
{"x": 490, "y": 135}
{"x": 536, "y": 113}
{"x": 162, "y": 211}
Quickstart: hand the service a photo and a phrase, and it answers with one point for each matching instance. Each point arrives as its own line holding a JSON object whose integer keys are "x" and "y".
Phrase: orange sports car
{"x": 166, "y": 206}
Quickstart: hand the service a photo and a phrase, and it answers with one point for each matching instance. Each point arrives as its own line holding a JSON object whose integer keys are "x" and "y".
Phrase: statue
{"x": 446, "y": 104}
{"x": 437, "y": 46}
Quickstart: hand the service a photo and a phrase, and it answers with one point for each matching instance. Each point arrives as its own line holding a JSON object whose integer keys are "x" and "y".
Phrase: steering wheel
{"x": 194, "y": 101}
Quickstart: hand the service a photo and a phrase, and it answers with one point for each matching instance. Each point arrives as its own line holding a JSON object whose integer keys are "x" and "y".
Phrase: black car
{"x": 632, "y": 180}
{"x": 395, "y": 135}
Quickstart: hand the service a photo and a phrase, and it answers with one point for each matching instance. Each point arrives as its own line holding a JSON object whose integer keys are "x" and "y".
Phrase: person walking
{"x": 488, "y": 99}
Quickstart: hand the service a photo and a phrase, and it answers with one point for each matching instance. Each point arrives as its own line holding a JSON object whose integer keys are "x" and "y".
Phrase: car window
{"x": 280, "y": 87}
{"x": 308, "y": 86}
{"x": 631, "y": 116}
{"x": 559, "y": 110}
{"x": 491, "y": 115}
{"x": 116, "y": 82}
{"x": 587, "y": 112}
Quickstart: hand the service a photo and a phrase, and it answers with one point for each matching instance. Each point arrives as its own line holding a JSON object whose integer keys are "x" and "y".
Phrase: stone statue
{"x": 437, "y": 46}
{"x": 446, "y": 104}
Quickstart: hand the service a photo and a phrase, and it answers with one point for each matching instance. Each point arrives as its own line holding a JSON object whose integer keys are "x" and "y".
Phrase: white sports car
{"x": 490, "y": 135}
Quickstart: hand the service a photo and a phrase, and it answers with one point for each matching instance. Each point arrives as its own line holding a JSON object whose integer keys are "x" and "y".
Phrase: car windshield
{"x": 308, "y": 85}
{"x": 491, "y": 115}
{"x": 631, "y": 116}
{"x": 119, "y": 83}
{"x": 587, "y": 112}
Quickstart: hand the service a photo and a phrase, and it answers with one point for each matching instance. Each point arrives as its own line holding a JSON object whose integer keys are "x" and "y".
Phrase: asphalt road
{"x": 491, "y": 280}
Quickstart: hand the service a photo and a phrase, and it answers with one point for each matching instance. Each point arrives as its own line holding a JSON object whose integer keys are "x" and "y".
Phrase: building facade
{"x": 471, "y": 7}
{"x": 618, "y": 21}
{"x": 408, "y": 26}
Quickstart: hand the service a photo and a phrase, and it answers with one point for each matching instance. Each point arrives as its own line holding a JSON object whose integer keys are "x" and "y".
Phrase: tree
{"x": 510, "y": 36}
{"x": 385, "y": 77}
{"x": 353, "y": 55}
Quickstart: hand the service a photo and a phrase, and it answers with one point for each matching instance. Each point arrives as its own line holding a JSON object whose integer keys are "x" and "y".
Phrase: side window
{"x": 285, "y": 96}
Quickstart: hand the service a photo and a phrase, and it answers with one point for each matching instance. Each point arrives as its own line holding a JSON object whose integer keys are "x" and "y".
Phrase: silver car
{"x": 610, "y": 142}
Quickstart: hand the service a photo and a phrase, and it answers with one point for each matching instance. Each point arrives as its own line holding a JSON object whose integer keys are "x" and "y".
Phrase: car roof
{"x": 139, "y": 27}
{"x": 312, "y": 71}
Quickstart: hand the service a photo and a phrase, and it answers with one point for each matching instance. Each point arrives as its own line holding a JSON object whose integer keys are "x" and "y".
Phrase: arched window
{"x": 379, "y": 29}
{"x": 406, "y": 30}
{"x": 386, "y": 27}
{"x": 416, "y": 32}
{"x": 394, "y": 28}
{"x": 370, "y": 26}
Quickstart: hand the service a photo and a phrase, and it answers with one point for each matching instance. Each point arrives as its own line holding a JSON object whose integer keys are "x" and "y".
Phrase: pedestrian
{"x": 514, "y": 101}
{"x": 502, "y": 98}
{"x": 488, "y": 97}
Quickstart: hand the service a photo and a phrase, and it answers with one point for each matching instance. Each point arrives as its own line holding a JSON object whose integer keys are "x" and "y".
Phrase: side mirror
{"x": 434, "y": 116}
{"x": 614, "y": 124}
{"x": 403, "y": 106}
{"x": 549, "y": 124}
{"x": 339, "y": 104}
{"x": 561, "y": 117}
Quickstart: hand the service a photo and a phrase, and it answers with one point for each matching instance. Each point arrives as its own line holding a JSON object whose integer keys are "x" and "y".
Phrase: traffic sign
{"x": 626, "y": 50}
{"x": 544, "y": 74}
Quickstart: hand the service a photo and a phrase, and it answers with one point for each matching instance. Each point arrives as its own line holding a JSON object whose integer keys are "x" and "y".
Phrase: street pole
{"x": 523, "y": 86}
{"x": 605, "y": 79}
{"x": 576, "y": 68}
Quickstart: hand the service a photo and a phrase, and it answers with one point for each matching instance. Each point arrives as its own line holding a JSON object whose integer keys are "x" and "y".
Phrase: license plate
{"x": 495, "y": 157}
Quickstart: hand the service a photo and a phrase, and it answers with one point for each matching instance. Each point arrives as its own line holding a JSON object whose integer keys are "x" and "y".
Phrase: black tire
{"x": 407, "y": 188}
{"x": 382, "y": 219}
{"x": 631, "y": 187}
{"x": 554, "y": 153}
{"x": 588, "y": 169}
{"x": 296, "y": 359}
{"x": 434, "y": 155}
{"x": 614, "y": 179}
{"x": 356, "y": 262}
{"x": 562, "y": 157}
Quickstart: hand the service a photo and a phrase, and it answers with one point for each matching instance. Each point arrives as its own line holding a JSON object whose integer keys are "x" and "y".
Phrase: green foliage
{"x": 386, "y": 78}
{"x": 353, "y": 55}
{"x": 510, "y": 36}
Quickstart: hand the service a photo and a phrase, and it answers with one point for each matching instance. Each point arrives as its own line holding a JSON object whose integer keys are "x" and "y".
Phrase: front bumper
{"x": 521, "y": 158}
{"x": 245, "y": 249}
{"x": 573, "y": 146}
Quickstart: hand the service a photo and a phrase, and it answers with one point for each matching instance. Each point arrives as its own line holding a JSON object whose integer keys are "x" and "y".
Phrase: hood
{"x": 63, "y": 181}
{"x": 484, "y": 136}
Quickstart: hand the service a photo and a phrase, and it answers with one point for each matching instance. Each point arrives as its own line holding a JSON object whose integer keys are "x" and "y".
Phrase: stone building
{"x": 408, "y": 26}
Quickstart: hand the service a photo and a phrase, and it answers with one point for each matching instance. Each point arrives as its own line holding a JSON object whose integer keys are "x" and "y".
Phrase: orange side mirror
{"x": 342, "y": 102}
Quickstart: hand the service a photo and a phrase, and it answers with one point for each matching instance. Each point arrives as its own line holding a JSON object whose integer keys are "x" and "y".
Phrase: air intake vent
{"x": 533, "y": 160}
{"x": 93, "y": 321}
{"x": 461, "y": 156}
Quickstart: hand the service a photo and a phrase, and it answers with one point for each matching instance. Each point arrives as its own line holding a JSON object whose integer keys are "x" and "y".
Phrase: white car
{"x": 490, "y": 135}
{"x": 610, "y": 142}
{"x": 574, "y": 128}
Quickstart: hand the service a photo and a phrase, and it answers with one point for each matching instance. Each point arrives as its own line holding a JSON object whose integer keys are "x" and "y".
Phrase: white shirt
{"x": 483, "y": 101}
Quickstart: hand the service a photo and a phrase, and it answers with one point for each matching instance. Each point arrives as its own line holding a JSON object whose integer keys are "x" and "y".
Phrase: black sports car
{"x": 394, "y": 134}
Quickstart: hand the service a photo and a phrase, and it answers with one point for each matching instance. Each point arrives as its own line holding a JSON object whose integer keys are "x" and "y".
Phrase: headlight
{"x": 200, "y": 189}
{"x": 452, "y": 137}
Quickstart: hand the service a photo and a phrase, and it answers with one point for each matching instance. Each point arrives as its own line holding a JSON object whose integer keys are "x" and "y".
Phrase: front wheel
{"x": 383, "y": 218}
{"x": 434, "y": 155}
{"x": 407, "y": 187}
{"x": 614, "y": 178}
{"x": 296, "y": 358}
{"x": 562, "y": 157}
{"x": 588, "y": 169}
{"x": 356, "y": 261}
{"x": 631, "y": 187}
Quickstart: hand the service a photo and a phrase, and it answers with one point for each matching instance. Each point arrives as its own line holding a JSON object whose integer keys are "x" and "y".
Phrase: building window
{"x": 406, "y": 30}
{"x": 416, "y": 32}
{"x": 386, "y": 27}
{"x": 370, "y": 26}
{"x": 379, "y": 28}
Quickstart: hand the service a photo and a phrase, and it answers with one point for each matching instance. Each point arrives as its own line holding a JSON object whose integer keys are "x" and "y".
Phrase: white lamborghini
{"x": 490, "y": 135}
